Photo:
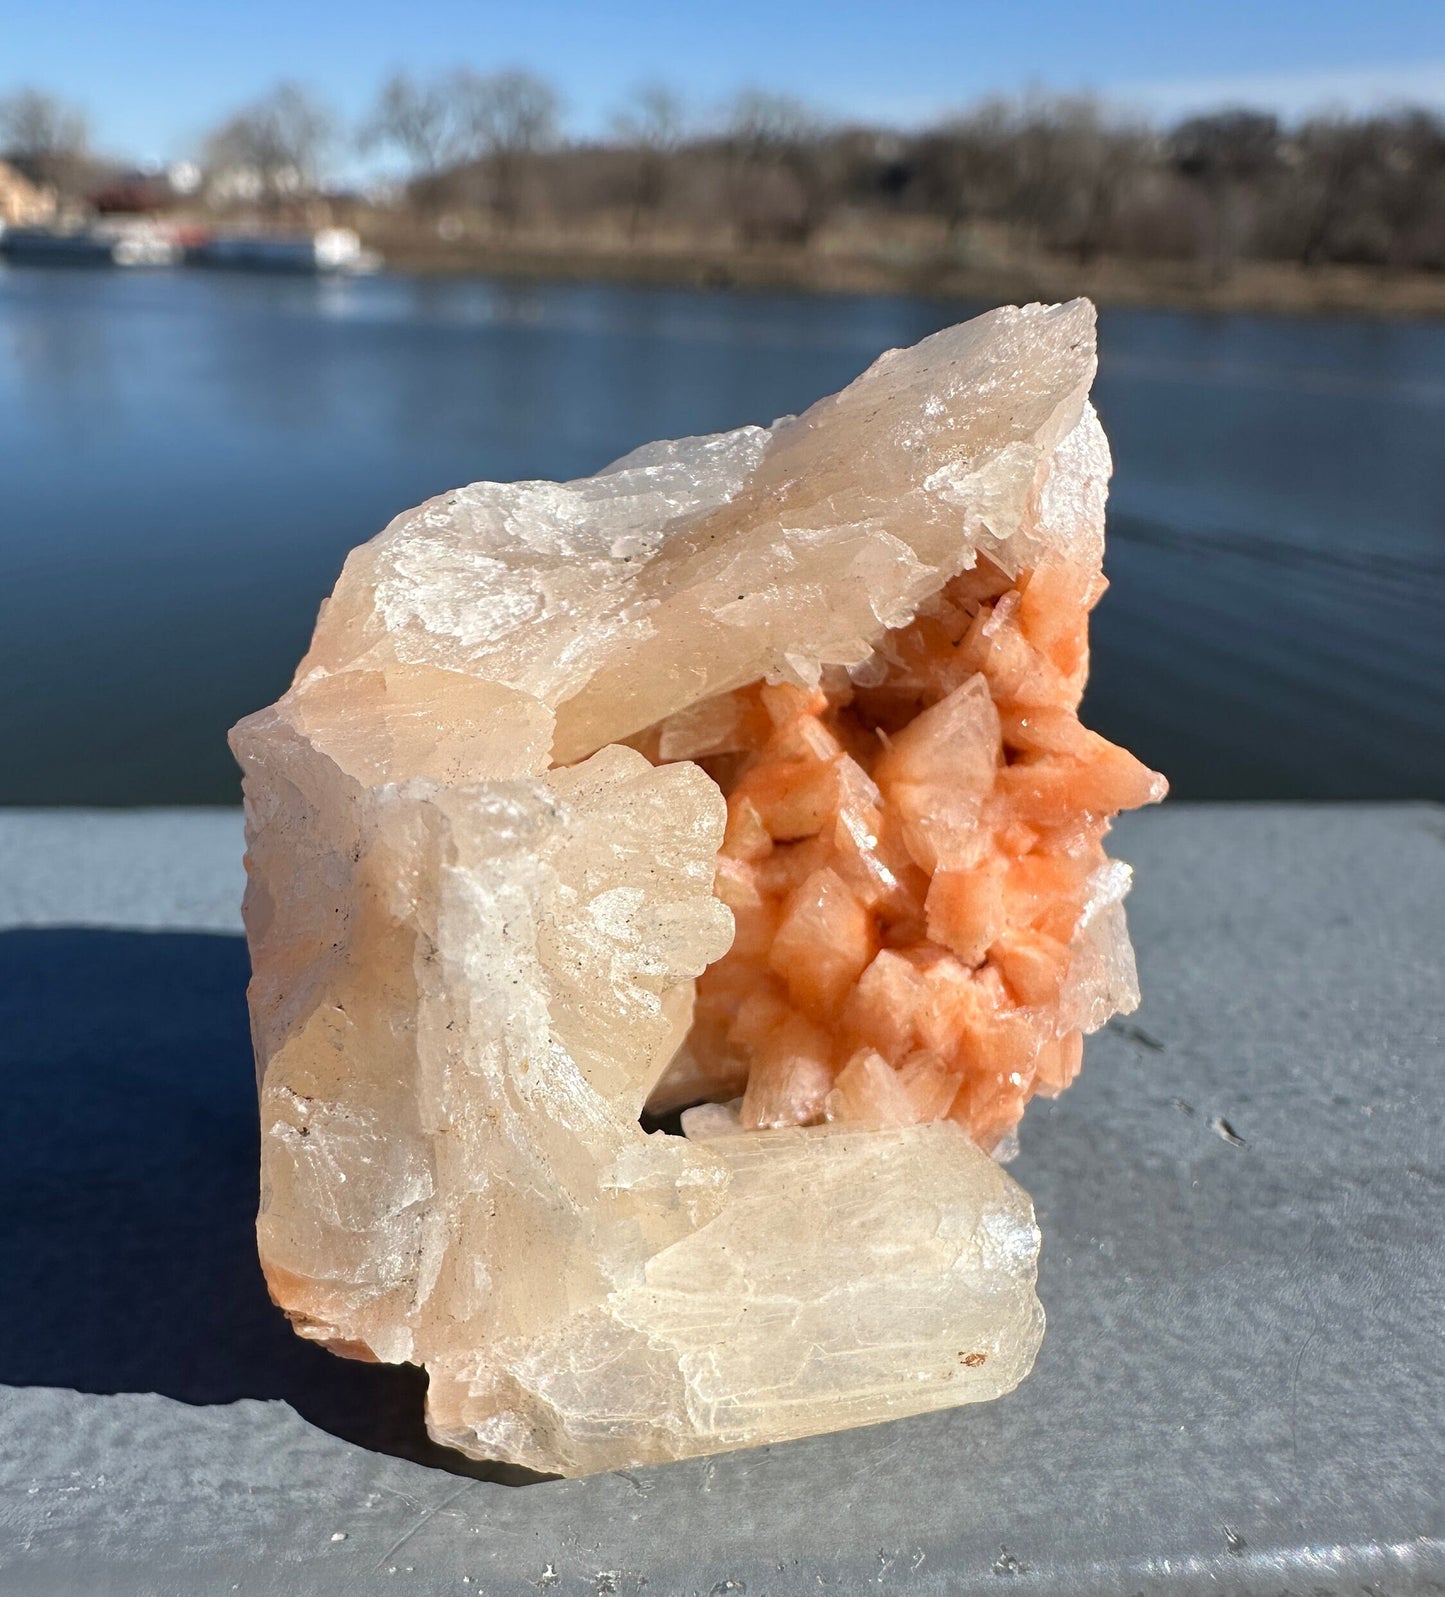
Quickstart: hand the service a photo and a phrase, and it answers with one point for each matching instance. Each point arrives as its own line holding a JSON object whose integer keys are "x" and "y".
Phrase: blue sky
{"x": 153, "y": 74}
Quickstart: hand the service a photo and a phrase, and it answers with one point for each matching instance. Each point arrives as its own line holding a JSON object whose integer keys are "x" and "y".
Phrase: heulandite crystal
{"x": 746, "y": 775}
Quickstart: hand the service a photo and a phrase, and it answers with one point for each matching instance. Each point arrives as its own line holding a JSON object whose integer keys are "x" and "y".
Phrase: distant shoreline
{"x": 1259, "y": 287}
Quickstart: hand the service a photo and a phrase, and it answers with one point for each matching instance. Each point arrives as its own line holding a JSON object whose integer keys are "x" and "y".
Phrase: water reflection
{"x": 185, "y": 459}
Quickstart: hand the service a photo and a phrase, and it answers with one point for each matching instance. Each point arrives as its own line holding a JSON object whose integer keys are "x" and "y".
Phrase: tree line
{"x": 1068, "y": 175}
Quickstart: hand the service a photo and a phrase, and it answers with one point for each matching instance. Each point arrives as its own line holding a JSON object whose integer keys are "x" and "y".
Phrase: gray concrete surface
{"x": 176, "y": 870}
{"x": 1242, "y": 1388}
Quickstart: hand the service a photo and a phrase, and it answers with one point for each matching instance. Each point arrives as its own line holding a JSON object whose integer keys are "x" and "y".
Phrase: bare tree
{"x": 45, "y": 137}
{"x": 274, "y": 149}
{"x": 1412, "y": 182}
{"x": 769, "y": 132}
{"x": 967, "y": 165}
{"x": 1076, "y": 160}
{"x": 1228, "y": 154}
{"x": 651, "y": 126}
{"x": 1370, "y": 184}
{"x": 510, "y": 117}
{"x": 1335, "y": 159}
{"x": 420, "y": 120}
{"x": 427, "y": 122}
{"x": 762, "y": 123}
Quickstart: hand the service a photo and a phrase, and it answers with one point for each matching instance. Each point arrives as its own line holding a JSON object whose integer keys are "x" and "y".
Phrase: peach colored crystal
{"x": 908, "y": 860}
{"x": 744, "y": 775}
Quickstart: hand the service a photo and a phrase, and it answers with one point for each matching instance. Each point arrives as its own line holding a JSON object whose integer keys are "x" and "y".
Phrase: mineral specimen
{"x": 743, "y": 775}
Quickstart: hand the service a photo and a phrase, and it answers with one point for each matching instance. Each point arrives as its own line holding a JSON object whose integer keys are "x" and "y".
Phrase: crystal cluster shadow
{"x": 127, "y": 1258}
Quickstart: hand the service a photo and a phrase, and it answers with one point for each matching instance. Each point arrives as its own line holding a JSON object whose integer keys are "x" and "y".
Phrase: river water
{"x": 185, "y": 459}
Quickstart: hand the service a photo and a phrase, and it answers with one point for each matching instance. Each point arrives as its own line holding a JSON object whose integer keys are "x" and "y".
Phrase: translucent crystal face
{"x": 482, "y": 927}
{"x": 914, "y": 861}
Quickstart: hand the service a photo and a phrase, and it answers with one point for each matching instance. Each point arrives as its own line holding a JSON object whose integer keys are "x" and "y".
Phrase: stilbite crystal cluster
{"x": 550, "y": 743}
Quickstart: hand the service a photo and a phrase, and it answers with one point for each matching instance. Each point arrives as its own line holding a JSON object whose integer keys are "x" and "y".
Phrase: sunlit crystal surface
{"x": 744, "y": 774}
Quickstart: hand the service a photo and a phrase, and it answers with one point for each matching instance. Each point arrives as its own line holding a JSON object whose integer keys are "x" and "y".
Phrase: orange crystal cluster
{"x": 908, "y": 863}
{"x": 486, "y": 933}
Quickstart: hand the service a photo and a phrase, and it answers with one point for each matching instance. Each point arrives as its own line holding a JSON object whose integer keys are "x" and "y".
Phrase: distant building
{"x": 23, "y": 203}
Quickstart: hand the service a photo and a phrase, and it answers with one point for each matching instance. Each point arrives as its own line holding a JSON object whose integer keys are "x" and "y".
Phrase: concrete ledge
{"x": 177, "y": 870}
{"x": 1241, "y": 1389}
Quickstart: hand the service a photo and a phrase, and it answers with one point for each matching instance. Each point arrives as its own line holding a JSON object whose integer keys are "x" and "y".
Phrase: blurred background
{"x": 270, "y": 275}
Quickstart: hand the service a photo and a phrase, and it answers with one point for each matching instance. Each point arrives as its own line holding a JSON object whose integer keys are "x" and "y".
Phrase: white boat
{"x": 112, "y": 244}
{"x": 331, "y": 249}
{"x": 139, "y": 244}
